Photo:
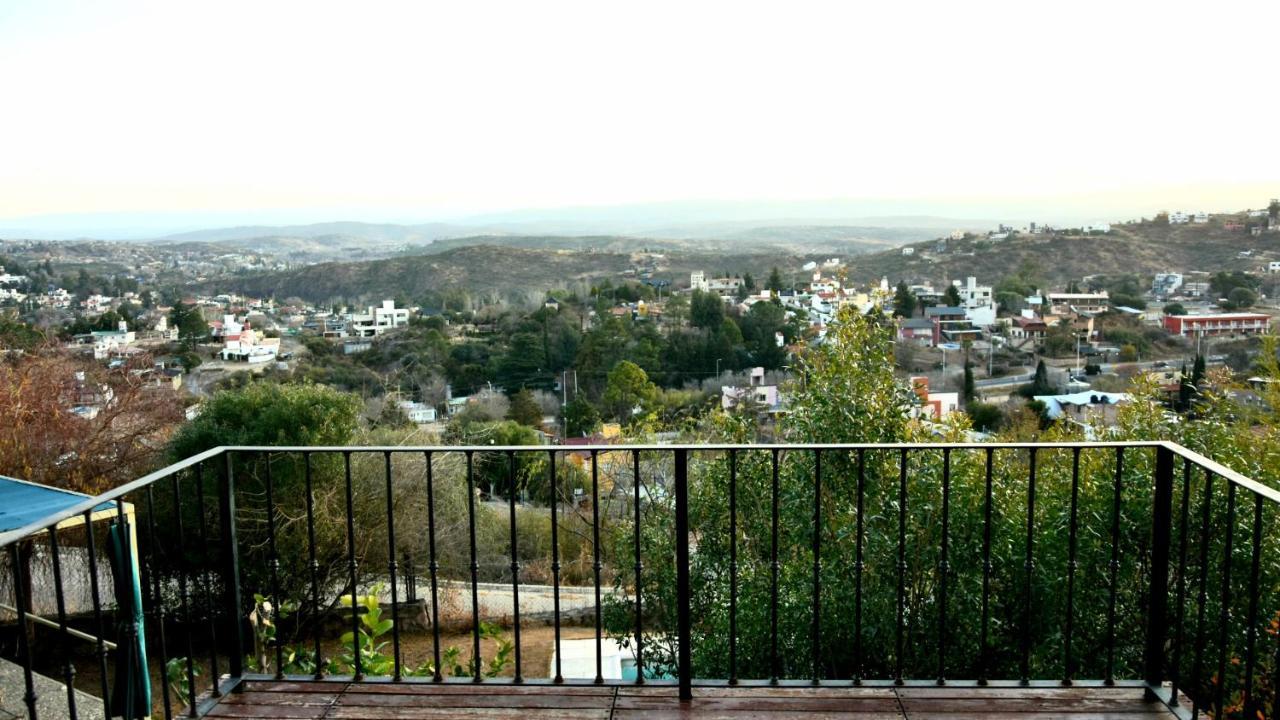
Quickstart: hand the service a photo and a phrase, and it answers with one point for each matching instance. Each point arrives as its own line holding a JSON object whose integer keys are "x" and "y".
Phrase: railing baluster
{"x": 984, "y": 648}
{"x": 274, "y": 562}
{"x": 97, "y": 613}
{"x": 1184, "y": 518}
{"x": 515, "y": 562}
{"x": 684, "y": 651}
{"x": 1113, "y": 568}
{"x": 775, "y": 663}
{"x": 129, "y": 631}
{"x": 24, "y": 644}
{"x": 1073, "y": 524}
{"x": 902, "y": 567}
{"x": 68, "y": 667}
{"x": 397, "y": 672}
{"x": 1029, "y": 568}
{"x": 313, "y": 566}
{"x": 1158, "y": 593}
{"x": 155, "y": 600}
{"x": 857, "y": 570}
{"x": 231, "y": 564}
{"x": 433, "y": 567}
{"x": 943, "y": 567}
{"x": 635, "y": 486}
{"x": 817, "y": 566}
{"x": 595, "y": 562}
{"x": 207, "y": 582}
{"x": 1224, "y": 607}
{"x": 1251, "y": 642}
{"x": 475, "y": 568}
{"x": 352, "y": 570}
{"x": 184, "y": 570}
{"x": 733, "y": 567}
{"x": 555, "y": 562}
{"x": 1206, "y": 513}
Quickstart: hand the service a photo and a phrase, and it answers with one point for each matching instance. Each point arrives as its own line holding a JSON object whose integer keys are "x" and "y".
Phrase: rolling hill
{"x": 513, "y": 274}
{"x": 1142, "y": 248}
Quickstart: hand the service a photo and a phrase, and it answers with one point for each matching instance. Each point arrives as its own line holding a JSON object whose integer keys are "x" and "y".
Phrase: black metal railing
{"x": 1135, "y": 564}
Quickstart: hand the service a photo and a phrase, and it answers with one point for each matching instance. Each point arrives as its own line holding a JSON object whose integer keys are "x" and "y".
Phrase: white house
{"x": 1179, "y": 218}
{"x": 378, "y": 320}
{"x": 1200, "y": 217}
{"x": 698, "y": 281}
{"x": 418, "y": 413}
{"x": 1273, "y": 266}
{"x": 908, "y": 250}
{"x": 1098, "y": 228}
{"x": 240, "y": 343}
{"x": 973, "y": 295}
{"x": 767, "y": 397}
{"x": 109, "y": 342}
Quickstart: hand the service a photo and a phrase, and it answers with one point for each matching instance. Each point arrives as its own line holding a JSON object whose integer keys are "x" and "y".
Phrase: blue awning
{"x": 23, "y": 503}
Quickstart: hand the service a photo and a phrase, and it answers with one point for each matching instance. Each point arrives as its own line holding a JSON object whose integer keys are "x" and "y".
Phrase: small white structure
{"x": 1273, "y": 266}
{"x": 1200, "y": 217}
{"x": 577, "y": 660}
{"x": 1098, "y": 228}
{"x": 908, "y": 250}
{"x": 698, "y": 281}
{"x": 1179, "y": 218}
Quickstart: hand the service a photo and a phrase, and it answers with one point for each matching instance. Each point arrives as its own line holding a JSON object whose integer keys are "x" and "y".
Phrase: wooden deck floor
{"x": 369, "y": 701}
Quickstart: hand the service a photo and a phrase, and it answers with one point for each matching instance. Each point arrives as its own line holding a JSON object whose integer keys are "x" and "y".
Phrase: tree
{"x": 951, "y": 298}
{"x": 190, "y": 323}
{"x": 1174, "y": 308}
{"x": 904, "y": 303}
{"x": 749, "y": 282}
{"x": 1128, "y": 353}
{"x": 525, "y": 409}
{"x": 970, "y": 390}
{"x": 1040, "y": 384}
{"x": 1240, "y": 298}
{"x": 628, "y": 392}
{"x": 580, "y": 417}
{"x": 264, "y": 413}
{"x": 706, "y": 310}
{"x": 774, "y": 283}
{"x": 79, "y": 426}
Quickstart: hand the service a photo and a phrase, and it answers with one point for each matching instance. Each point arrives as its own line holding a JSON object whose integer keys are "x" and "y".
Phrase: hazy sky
{"x": 430, "y": 109}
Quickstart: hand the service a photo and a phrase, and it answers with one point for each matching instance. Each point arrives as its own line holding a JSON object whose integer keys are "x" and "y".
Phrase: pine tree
{"x": 775, "y": 281}
{"x": 904, "y": 303}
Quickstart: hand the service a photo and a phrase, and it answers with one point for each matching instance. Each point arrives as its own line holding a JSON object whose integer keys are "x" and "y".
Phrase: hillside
{"x": 520, "y": 275}
{"x": 1141, "y": 248}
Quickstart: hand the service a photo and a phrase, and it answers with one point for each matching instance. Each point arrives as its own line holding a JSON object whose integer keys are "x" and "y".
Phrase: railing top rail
{"x": 695, "y": 447}
{"x": 11, "y": 536}
{"x": 1223, "y": 471}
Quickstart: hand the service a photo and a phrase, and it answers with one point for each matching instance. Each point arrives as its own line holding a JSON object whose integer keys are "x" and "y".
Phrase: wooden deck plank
{"x": 694, "y": 713}
{"x": 343, "y": 700}
{"x": 886, "y": 703}
{"x": 421, "y": 713}
{"x": 490, "y": 700}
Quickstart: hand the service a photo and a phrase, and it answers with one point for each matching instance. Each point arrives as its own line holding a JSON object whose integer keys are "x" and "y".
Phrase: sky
{"x": 385, "y": 111}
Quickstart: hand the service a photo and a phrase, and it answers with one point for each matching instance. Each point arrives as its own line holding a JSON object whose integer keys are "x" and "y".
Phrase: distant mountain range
{"x": 522, "y": 268}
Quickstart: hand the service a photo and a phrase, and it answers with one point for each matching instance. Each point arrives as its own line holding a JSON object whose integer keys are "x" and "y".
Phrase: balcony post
{"x": 1157, "y": 602}
{"x": 231, "y": 565}
{"x": 684, "y": 663}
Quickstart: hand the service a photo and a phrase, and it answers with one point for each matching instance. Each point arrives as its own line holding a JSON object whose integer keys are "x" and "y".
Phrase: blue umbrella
{"x": 131, "y": 697}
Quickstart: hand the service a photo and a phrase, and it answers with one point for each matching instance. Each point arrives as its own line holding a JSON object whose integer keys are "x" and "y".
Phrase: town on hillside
{"x": 985, "y": 346}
